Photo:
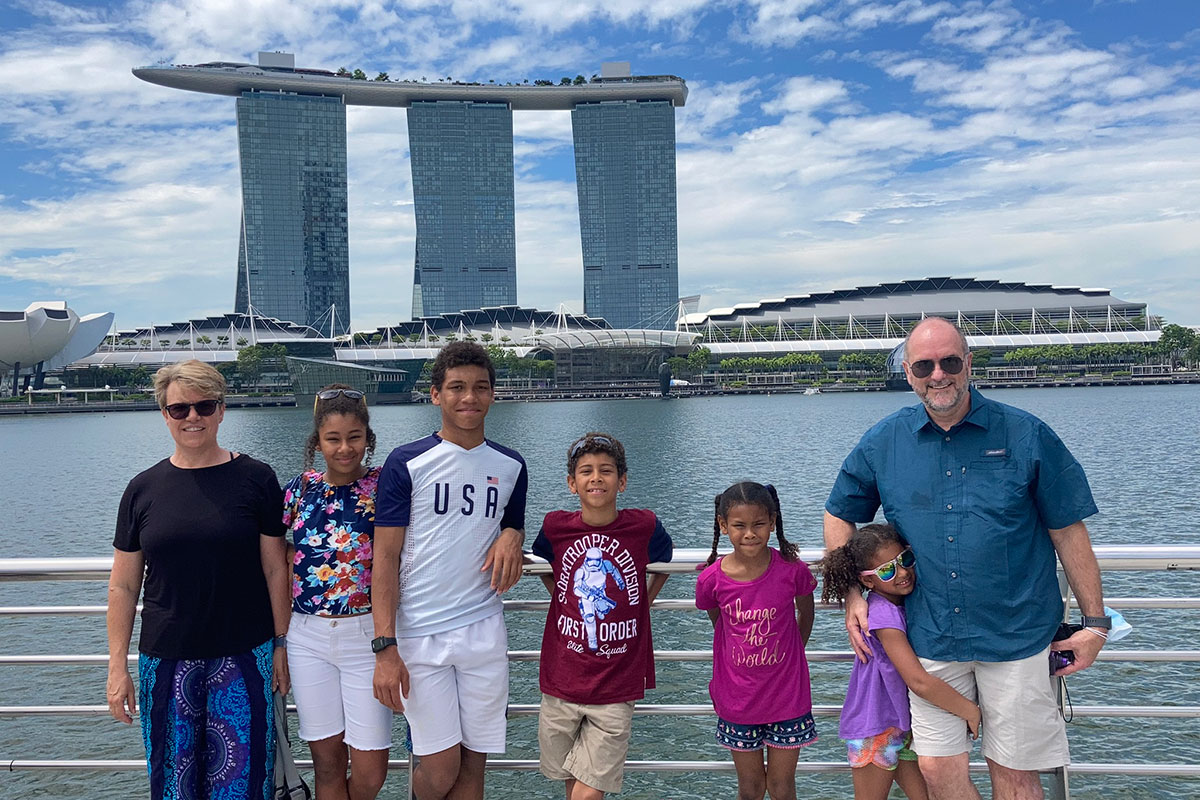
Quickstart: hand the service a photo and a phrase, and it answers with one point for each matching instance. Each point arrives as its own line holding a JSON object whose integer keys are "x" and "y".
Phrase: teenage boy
{"x": 449, "y": 524}
{"x": 597, "y": 653}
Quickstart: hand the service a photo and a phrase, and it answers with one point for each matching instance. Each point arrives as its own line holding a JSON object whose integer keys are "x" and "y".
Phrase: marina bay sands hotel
{"x": 293, "y": 255}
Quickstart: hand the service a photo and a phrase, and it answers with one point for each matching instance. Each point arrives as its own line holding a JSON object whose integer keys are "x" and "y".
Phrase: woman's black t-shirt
{"x": 198, "y": 530}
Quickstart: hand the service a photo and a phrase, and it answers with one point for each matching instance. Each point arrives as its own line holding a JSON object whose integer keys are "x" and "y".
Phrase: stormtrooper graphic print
{"x": 596, "y": 647}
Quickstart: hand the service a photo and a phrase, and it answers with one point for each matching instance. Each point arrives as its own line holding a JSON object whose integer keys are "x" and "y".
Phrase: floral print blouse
{"x": 332, "y": 529}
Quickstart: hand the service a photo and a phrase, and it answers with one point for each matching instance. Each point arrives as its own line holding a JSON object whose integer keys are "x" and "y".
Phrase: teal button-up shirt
{"x": 975, "y": 504}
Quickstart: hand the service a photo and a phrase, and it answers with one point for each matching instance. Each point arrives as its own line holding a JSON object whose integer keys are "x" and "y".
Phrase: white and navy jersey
{"x": 454, "y": 502}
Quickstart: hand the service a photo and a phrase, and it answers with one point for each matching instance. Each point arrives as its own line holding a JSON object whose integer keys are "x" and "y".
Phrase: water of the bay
{"x": 1140, "y": 447}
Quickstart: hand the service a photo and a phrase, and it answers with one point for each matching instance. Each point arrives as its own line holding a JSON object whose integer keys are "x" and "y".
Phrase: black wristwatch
{"x": 381, "y": 643}
{"x": 1104, "y": 623}
{"x": 280, "y": 640}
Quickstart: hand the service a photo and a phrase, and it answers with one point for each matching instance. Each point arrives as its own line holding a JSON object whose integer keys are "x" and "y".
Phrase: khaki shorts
{"x": 584, "y": 743}
{"x": 1021, "y": 728}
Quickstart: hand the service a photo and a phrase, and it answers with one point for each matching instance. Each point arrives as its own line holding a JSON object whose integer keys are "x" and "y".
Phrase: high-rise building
{"x": 462, "y": 170}
{"x": 293, "y": 253}
{"x": 292, "y": 259}
{"x": 625, "y": 175}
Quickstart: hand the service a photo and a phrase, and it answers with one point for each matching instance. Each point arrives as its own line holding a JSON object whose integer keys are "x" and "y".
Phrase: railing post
{"x": 1059, "y": 786}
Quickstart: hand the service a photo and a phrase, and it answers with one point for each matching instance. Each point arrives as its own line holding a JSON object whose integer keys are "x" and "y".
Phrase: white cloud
{"x": 805, "y": 94}
{"x": 783, "y": 23}
{"x": 713, "y": 108}
{"x": 905, "y": 12}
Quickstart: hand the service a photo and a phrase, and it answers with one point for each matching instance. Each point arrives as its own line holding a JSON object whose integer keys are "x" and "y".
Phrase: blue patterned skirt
{"x": 209, "y": 726}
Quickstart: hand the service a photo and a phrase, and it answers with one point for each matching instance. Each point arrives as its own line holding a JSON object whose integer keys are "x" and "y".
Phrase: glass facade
{"x": 382, "y": 384}
{"x": 293, "y": 253}
{"x": 625, "y": 174}
{"x": 462, "y": 169}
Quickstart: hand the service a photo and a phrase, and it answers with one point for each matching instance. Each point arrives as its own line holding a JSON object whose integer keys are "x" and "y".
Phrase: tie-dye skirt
{"x": 208, "y": 726}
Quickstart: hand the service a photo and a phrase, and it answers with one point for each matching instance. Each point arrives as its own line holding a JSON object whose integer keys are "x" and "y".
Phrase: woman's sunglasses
{"x": 205, "y": 408}
{"x": 951, "y": 365}
{"x": 887, "y": 570}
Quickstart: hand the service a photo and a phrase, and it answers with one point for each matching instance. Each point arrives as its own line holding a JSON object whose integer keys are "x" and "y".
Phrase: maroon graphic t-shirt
{"x": 597, "y": 647}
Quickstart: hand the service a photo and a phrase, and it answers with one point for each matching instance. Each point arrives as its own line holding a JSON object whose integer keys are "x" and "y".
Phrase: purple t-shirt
{"x": 877, "y": 698}
{"x": 760, "y": 674}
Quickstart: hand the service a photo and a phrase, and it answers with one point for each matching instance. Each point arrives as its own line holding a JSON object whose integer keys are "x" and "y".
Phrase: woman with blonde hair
{"x": 202, "y": 528}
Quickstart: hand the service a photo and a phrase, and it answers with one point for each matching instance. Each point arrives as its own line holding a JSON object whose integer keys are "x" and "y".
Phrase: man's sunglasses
{"x": 205, "y": 408}
{"x": 603, "y": 441}
{"x": 951, "y": 365}
{"x": 887, "y": 570}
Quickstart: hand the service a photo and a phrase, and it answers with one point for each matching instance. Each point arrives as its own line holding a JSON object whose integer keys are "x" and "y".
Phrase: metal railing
{"x": 1112, "y": 558}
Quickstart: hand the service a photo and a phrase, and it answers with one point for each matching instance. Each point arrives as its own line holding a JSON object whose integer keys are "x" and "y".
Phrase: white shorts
{"x": 458, "y": 687}
{"x": 1021, "y": 727}
{"x": 332, "y": 668}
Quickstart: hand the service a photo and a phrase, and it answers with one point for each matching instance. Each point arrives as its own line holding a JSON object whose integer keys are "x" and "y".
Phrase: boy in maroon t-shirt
{"x": 597, "y": 652}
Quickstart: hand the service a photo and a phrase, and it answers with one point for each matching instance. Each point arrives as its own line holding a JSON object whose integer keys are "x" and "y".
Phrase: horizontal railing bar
{"x": 531, "y": 765}
{"x": 657, "y": 709}
{"x": 1160, "y": 770}
{"x": 1122, "y": 557}
{"x": 1156, "y": 656}
{"x": 662, "y": 604}
{"x": 1123, "y": 603}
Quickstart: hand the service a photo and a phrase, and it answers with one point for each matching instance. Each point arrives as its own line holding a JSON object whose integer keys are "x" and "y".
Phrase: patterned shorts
{"x": 787, "y": 735}
{"x": 884, "y": 750}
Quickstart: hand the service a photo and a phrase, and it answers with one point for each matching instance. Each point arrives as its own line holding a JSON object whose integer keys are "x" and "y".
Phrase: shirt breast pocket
{"x": 997, "y": 491}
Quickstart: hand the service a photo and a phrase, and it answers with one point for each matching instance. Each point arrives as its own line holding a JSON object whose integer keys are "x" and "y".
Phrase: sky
{"x": 824, "y": 144}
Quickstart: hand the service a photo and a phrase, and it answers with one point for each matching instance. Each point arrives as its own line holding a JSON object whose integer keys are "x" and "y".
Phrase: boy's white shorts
{"x": 458, "y": 687}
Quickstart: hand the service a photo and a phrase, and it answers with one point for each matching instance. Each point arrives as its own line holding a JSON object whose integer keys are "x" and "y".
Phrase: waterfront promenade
{"x": 67, "y": 403}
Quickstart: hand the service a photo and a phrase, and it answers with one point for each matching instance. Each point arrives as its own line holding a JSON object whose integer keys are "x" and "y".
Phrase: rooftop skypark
{"x": 276, "y": 72}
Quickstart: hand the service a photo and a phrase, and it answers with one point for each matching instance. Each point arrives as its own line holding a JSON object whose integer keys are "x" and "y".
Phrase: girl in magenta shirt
{"x": 761, "y": 603}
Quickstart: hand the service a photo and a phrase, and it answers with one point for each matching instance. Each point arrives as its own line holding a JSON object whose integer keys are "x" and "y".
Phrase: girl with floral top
{"x": 331, "y": 523}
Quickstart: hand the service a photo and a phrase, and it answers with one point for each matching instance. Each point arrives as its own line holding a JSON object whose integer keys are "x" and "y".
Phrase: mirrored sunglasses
{"x": 603, "y": 441}
{"x": 205, "y": 408}
{"x": 951, "y": 365}
{"x": 887, "y": 570}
